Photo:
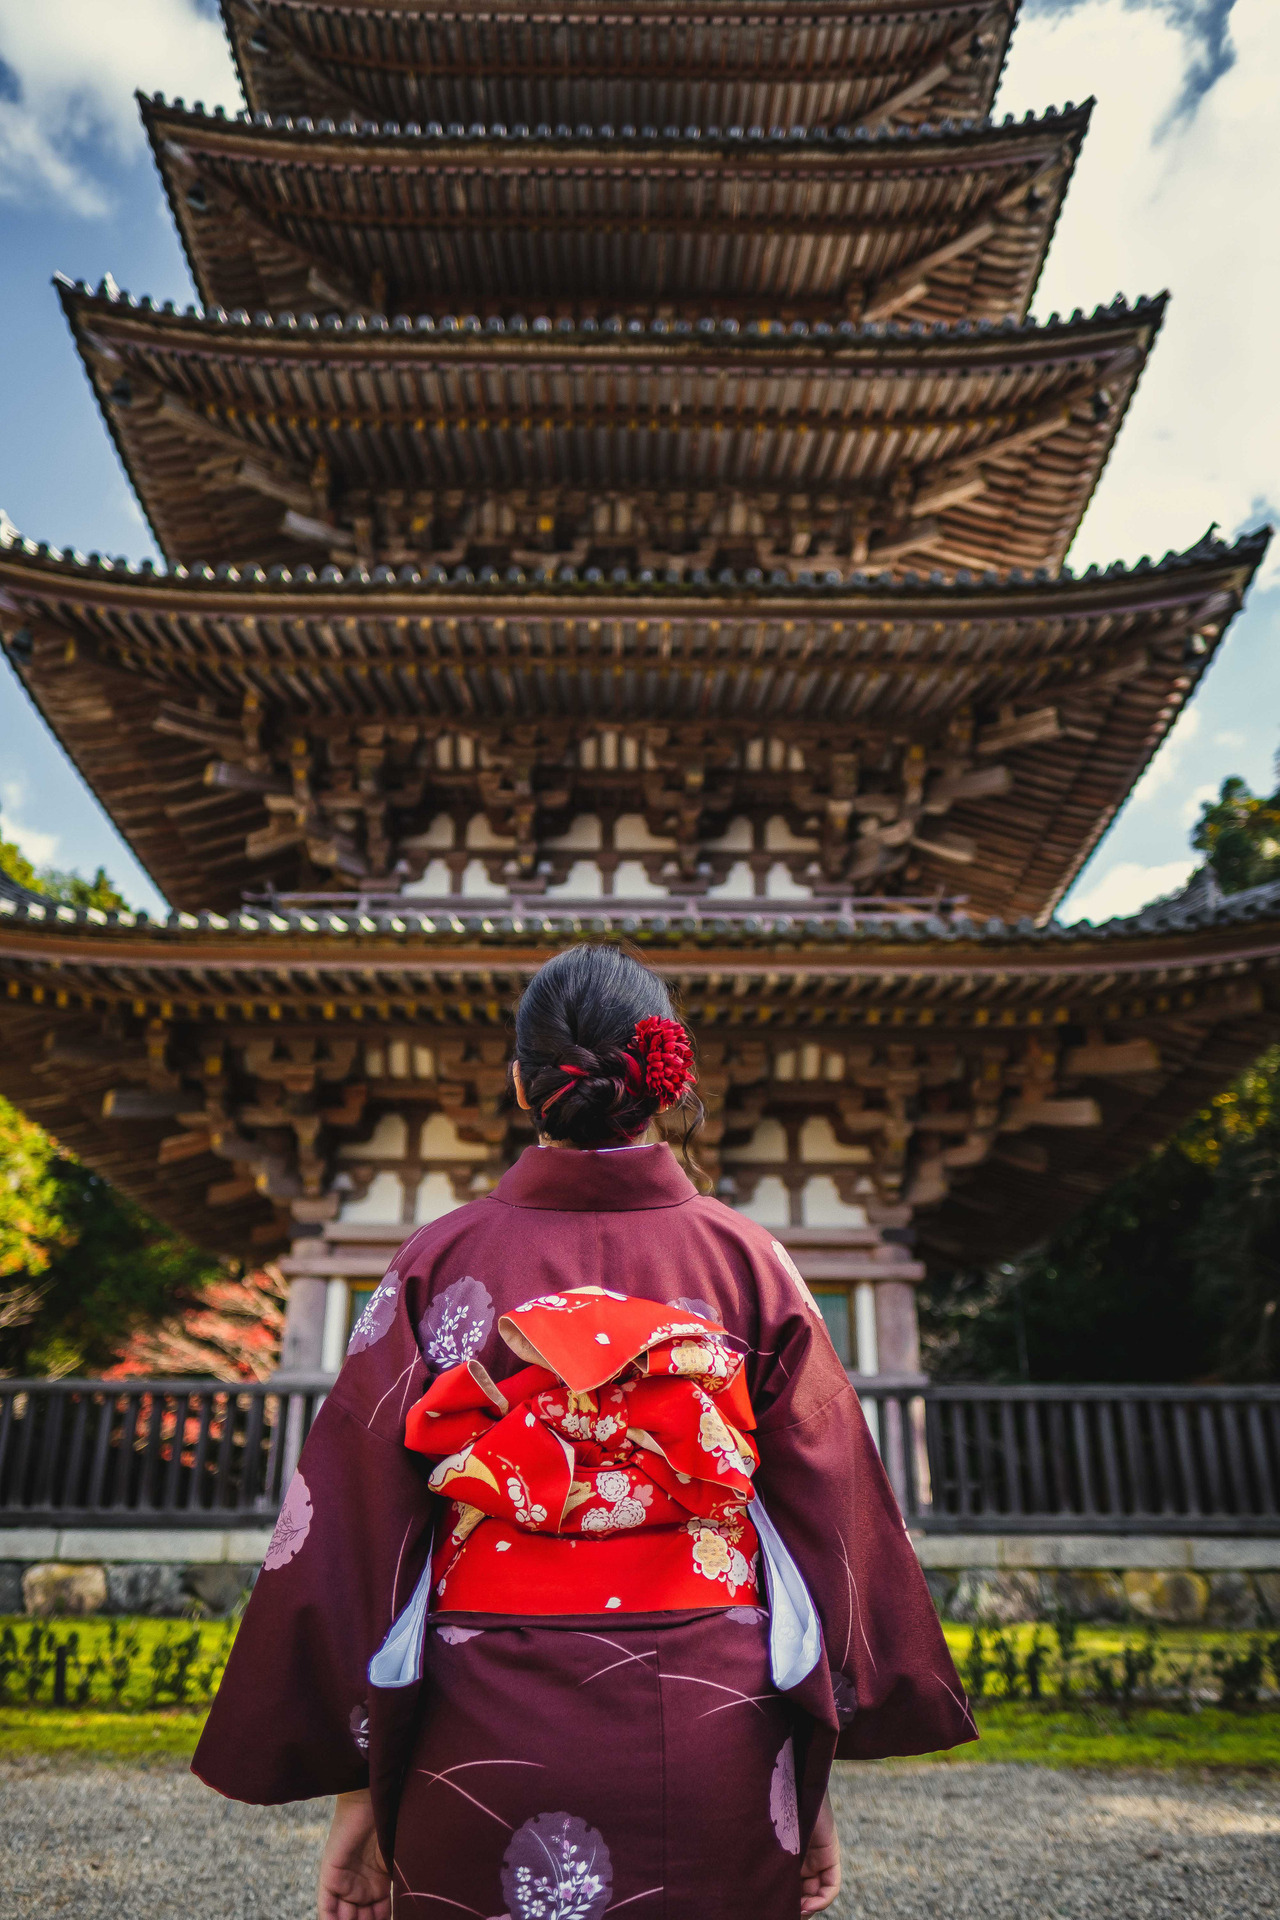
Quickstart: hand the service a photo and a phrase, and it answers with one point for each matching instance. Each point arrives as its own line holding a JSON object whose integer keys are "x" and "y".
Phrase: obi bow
{"x": 629, "y": 1418}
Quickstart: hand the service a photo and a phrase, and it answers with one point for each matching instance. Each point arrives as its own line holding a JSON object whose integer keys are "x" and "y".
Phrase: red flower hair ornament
{"x": 666, "y": 1059}
{"x": 658, "y": 1062}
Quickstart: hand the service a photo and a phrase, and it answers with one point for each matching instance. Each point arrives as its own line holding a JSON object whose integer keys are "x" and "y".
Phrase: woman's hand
{"x": 820, "y": 1873}
{"x": 354, "y": 1882}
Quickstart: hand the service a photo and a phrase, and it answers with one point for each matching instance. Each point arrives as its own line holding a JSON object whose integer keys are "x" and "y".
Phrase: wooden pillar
{"x": 302, "y": 1348}
{"x": 882, "y": 1279}
{"x": 897, "y": 1327}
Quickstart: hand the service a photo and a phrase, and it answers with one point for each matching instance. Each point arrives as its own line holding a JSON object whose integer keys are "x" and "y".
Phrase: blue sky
{"x": 1177, "y": 188}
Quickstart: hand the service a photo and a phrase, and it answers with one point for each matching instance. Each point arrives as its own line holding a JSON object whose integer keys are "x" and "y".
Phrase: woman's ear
{"x": 522, "y": 1098}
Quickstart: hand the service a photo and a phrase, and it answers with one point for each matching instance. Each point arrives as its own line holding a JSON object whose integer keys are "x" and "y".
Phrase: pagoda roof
{"x": 820, "y": 62}
{"x": 978, "y": 445}
{"x": 1137, "y": 1023}
{"x": 1068, "y": 684}
{"x": 942, "y": 225}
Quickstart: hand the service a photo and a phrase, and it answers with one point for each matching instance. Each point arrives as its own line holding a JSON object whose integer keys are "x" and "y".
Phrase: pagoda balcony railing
{"x": 147, "y": 1453}
{"x": 679, "y": 911}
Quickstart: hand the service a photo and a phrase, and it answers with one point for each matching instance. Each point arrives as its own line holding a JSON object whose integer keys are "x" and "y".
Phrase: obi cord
{"x": 613, "y": 1472}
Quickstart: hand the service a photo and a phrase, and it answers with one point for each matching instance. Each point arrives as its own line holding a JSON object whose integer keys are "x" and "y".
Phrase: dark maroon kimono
{"x": 558, "y": 1768}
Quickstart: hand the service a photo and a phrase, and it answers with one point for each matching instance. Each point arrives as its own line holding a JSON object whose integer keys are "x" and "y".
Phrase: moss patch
{"x": 1151, "y": 1737}
{"x": 94, "y": 1735}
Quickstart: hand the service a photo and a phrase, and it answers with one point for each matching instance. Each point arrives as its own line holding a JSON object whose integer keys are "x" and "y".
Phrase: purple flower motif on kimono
{"x": 703, "y": 1308}
{"x": 745, "y": 1616}
{"x": 376, "y": 1315}
{"x": 458, "y": 1636}
{"x": 359, "y": 1724}
{"x": 845, "y": 1694}
{"x": 784, "y": 1809}
{"x": 456, "y": 1324}
{"x": 292, "y": 1527}
{"x": 557, "y": 1868}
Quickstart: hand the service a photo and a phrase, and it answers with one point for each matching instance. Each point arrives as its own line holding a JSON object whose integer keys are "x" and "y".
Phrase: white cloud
{"x": 1126, "y": 887}
{"x": 68, "y": 70}
{"x": 1186, "y": 201}
{"x": 40, "y": 847}
{"x": 1197, "y": 798}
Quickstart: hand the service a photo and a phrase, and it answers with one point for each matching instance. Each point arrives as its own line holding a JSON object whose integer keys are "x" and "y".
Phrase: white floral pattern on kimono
{"x": 556, "y": 1868}
{"x": 784, "y": 1808}
{"x": 376, "y": 1315}
{"x": 791, "y": 1268}
{"x": 456, "y": 1324}
{"x": 292, "y": 1526}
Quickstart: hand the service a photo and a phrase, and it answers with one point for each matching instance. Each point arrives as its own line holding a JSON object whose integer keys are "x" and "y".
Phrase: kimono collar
{"x": 563, "y": 1181}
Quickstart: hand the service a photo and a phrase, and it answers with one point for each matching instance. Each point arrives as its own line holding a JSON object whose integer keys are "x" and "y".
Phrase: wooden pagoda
{"x": 612, "y": 487}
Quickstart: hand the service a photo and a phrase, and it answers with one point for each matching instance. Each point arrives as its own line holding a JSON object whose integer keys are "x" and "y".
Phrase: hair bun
{"x": 599, "y": 1050}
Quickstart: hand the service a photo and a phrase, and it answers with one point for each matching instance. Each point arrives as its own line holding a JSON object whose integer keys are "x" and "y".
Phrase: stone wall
{"x": 995, "y": 1580}
{"x": 60, "y": 1572}
{"x": 990, "y": 1580}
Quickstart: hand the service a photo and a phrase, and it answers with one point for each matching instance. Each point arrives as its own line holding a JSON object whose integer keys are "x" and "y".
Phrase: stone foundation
{"x": 59, "y": 1573}
{"x": 984, "y": 1579}
{"x": 997, "y": 1580}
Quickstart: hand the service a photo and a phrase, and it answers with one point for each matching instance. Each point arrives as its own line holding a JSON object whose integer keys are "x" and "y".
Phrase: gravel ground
{"x": 1006, "y": 1841}
{"x": 150, "y": 1843}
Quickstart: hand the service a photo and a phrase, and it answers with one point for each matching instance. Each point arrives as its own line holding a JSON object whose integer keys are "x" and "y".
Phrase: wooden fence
{"x": 962, "y": 1459}
{"x": 973, "y": 1459}
{"x": 148, "y": 1453}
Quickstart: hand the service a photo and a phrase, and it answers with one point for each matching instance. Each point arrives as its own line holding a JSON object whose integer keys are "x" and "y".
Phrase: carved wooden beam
{"x": 911, "y": 282}
{"x": 1013, "y": 731}
{"x": 308, "y": 71}
{"x": 950, "y": 60}
{"x": 257, "y": 228}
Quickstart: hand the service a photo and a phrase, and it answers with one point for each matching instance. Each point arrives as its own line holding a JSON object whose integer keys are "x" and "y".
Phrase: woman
{"x": 589, "y": 1567}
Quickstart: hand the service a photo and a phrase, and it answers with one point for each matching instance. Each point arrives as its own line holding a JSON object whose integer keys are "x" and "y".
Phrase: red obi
{"x": 611, "y": 1472}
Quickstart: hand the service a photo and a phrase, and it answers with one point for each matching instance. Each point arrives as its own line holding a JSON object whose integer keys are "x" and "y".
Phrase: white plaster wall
{"x": 818, "y": 1142}
{"x": 738, "y": 884}
{"x": 631, "y": 882}
{"x": 388, "y": 1141}
{"x": 823, "y": 1206}
{"x": 477, "y": 885}
{"x": 435, "y": 1196}
{"x": 770, "y": 1204}
{"x": 768, "y": 1142}
{"x": 441, "y": 1141}
{"x": 382, "y": 1206}
{"x": 584, "y": 882}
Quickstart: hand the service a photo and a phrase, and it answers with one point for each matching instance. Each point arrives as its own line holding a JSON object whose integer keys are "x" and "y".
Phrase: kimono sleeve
{"x": 894, "y": 1687}
{"x": 291, "y": 1718}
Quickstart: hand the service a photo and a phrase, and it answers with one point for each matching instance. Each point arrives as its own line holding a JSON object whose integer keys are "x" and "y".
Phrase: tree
{"x": 70, "y": 887}
{"x": 90, "y": 1282}
{"x": 1173, "y": 1274}
{"x": 1240, "y": 833}
{"x": 230, "y": 1328}
{"x": 81, "y": 1265}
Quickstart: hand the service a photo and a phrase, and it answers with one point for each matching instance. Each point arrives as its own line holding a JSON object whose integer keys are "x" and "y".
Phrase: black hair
{"x": 581, "y": 1010}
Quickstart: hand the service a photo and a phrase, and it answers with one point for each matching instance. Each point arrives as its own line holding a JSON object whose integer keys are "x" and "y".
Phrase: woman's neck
{"x": 649, "y": 1138}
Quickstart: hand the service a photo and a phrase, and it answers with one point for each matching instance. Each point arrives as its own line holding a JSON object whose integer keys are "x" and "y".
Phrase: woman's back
{"x": 514, "y": 1593}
